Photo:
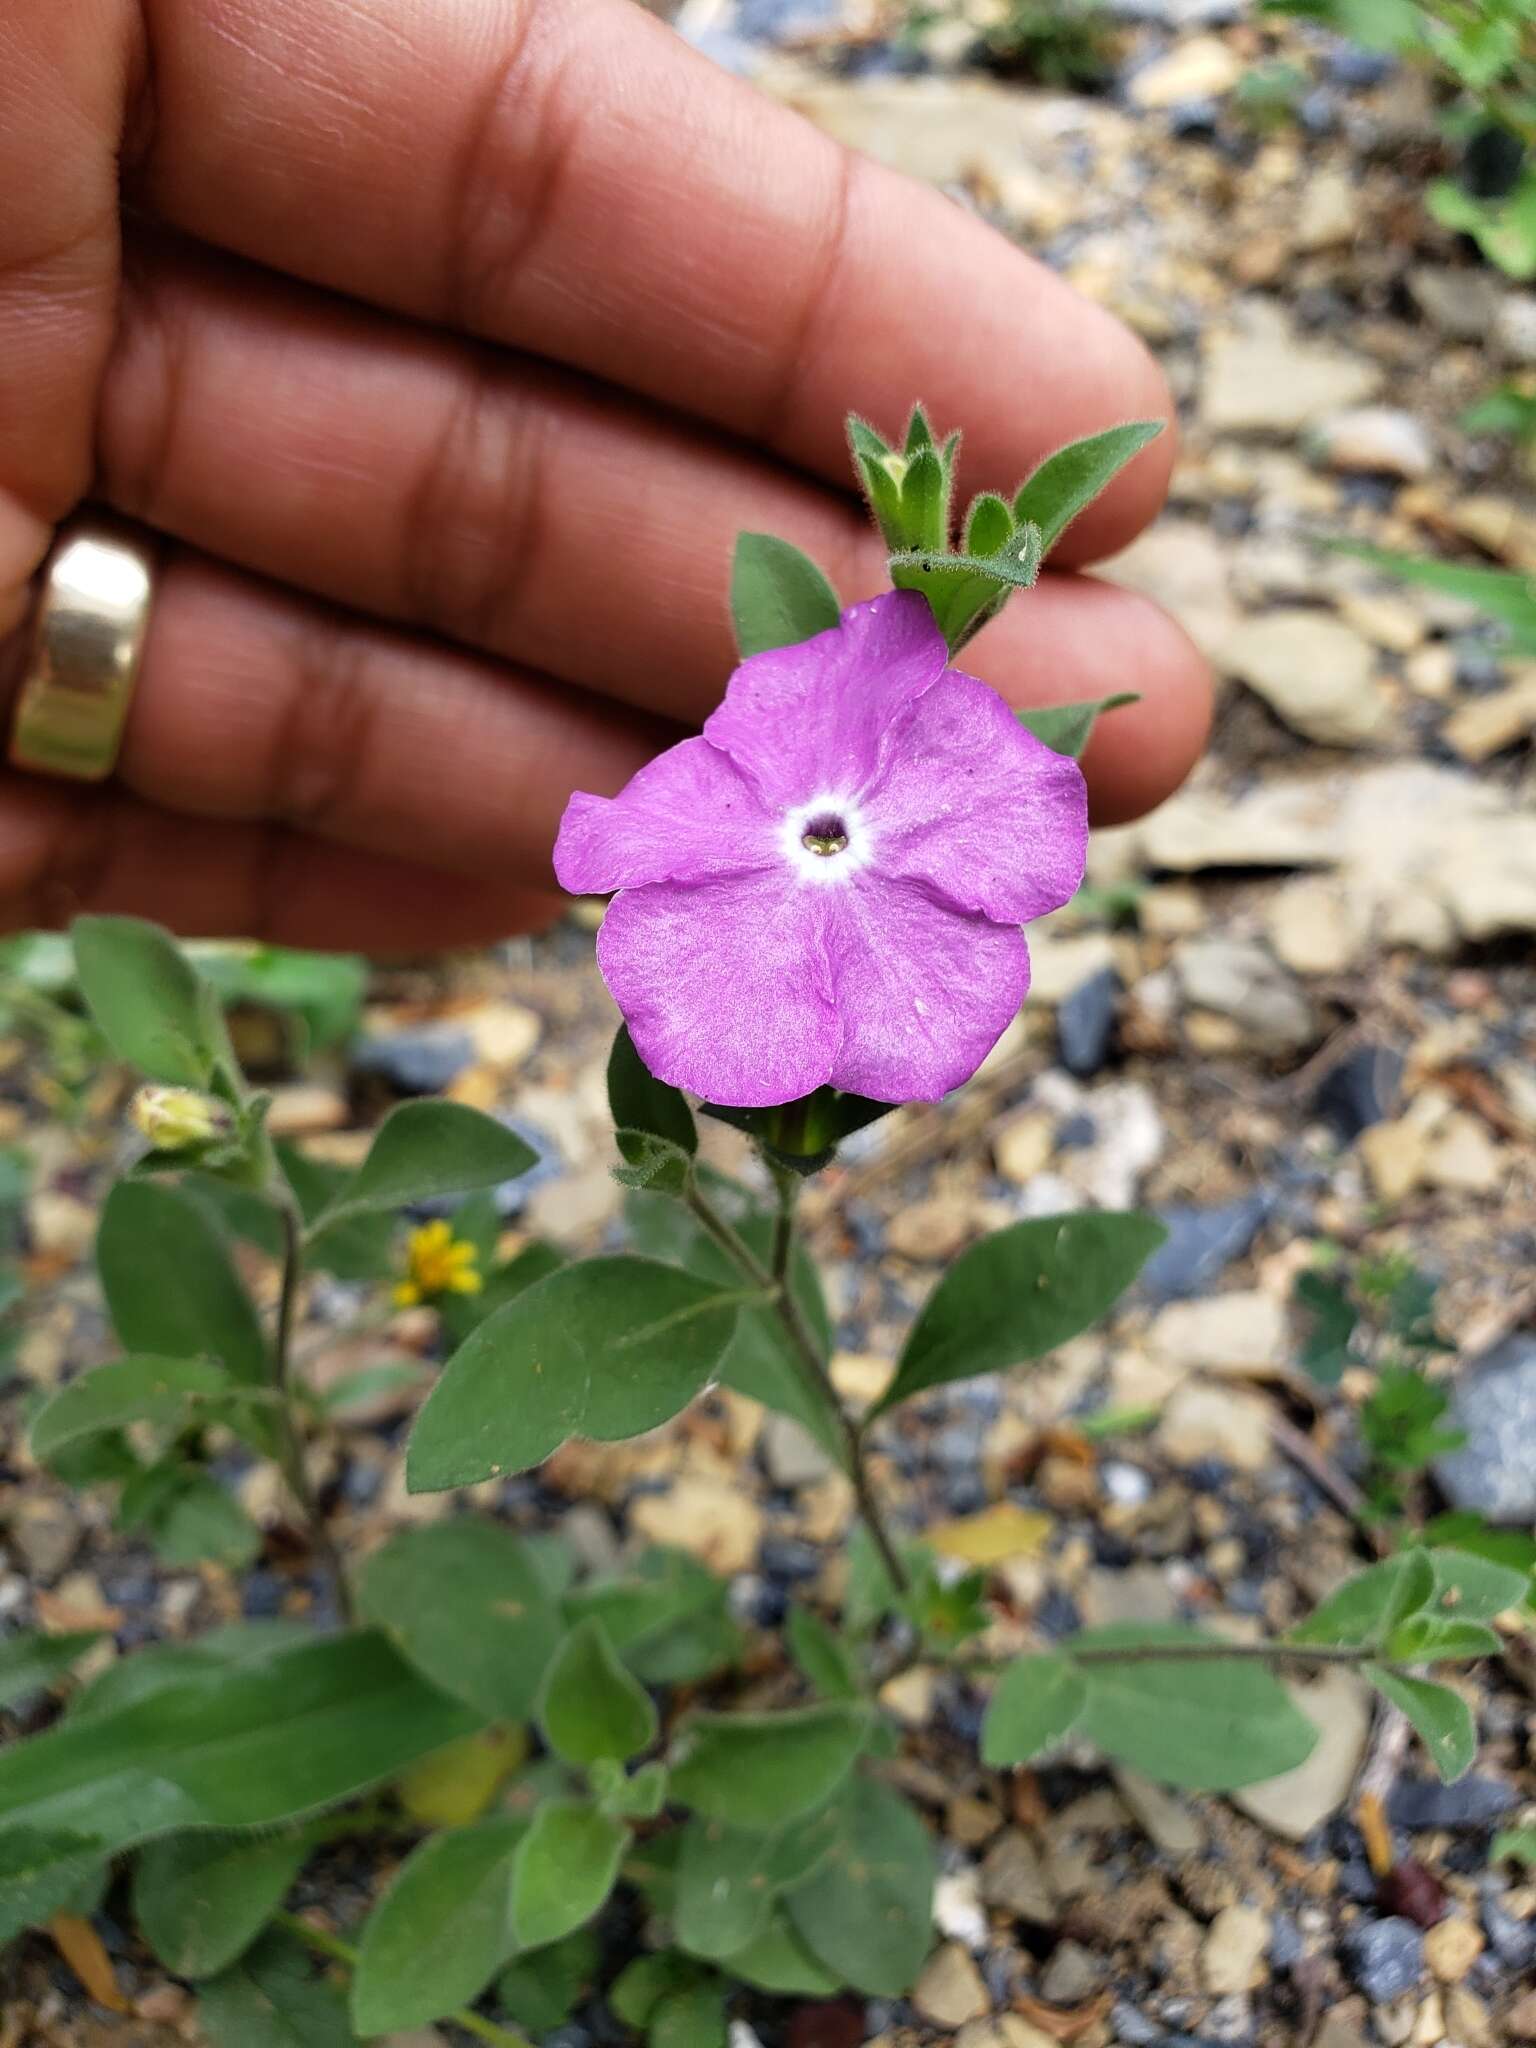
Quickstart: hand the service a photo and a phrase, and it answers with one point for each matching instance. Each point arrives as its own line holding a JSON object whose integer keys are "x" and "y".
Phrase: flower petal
{"x": 687, "y": 814}
{"x": 973, "y": 804}
{"x": 724, "y": 985}
{"x": 808, "y": 721}
{"x": 924, "y": 992}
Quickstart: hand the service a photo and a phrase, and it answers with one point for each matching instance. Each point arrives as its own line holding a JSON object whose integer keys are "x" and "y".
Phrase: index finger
{"x": 568, "y": 177}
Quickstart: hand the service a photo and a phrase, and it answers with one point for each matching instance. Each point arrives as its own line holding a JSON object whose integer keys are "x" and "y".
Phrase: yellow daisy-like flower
{"x": 436, "y": 1263}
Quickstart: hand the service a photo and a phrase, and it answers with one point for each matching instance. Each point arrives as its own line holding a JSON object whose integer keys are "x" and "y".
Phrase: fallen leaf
{"x": 81, "y": 1947}
{"x": 993, "y": 1536}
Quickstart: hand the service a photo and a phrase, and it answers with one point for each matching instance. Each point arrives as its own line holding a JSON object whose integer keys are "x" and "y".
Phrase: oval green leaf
{"x": 441, "y": 1931}
{"x": 778, "y": 595}
{"x": 760, "y": 1770}
{"x": 152, "y": 1006}
{"x": 591, "y": 1708}
{"x": 564, "y": 1869}
{"x": 1068, "y": 481}
{"x": 605, "y": 1348}
{"x": 427, "y": 1149}
{"x": 867, "y": 1911}
{"x": 168, "y": 1392}
{"x": 1441, "y": 1717}
{"x": 201, "y": 1900}
{"x": 1019, "y": 1294}
{"x": 171, "y": 1286}
{"x": 1036, "y": 1702}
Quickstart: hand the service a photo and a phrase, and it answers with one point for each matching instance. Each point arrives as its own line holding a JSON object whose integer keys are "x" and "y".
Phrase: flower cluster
{"x": 436, "y": 1263}
{"x": 827, "y": 886}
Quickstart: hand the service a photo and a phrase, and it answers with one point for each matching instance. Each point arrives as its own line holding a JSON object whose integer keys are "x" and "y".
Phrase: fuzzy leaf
{"x": 1441, "y": 1717}
{"x": 760, "y": 1770}
{"x": 591, "y": 1707}
{"x": 440, "y": 1932}
{"x": 564, "y": 1870}
{"x": 866, "y": 1912}
{"x": 1067, "y": 728}
{"x": 272, "y": 1998}
{"x": 1036, "y": 1703}
{"x": 639, "y": 1102}
{"x": 201, "y": 1900}
{"x": 150, "y": 1003}
{"x": 1068, "y": 481}
{"x": 778, "y": 595}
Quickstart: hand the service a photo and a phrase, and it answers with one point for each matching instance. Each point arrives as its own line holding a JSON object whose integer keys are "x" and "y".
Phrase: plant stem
{"x": 291, "y": 1441}
{"x": 806, "y": 1351}
{"x": 1214, "y": 1652}
{"x": 343, "y": 1952}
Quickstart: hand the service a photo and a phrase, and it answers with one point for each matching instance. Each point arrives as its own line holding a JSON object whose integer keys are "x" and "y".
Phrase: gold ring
{"x": 87, "y": 642}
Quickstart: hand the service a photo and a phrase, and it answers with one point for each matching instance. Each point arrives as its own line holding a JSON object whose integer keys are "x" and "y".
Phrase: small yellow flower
{"x": 437, "y": 1263}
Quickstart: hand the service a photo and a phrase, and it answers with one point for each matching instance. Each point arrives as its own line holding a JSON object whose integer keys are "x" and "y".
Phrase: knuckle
{"x": 324, "y": 740}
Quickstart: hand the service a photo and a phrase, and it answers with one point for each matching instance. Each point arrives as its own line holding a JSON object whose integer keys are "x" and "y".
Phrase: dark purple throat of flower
{"x": 825, "y": 835}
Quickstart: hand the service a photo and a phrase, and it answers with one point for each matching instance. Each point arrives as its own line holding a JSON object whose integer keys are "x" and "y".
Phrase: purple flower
{"x": 828, "y": 885}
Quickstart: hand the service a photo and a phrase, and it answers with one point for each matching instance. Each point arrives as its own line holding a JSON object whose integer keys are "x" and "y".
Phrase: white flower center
{"x": 826, "y": 840}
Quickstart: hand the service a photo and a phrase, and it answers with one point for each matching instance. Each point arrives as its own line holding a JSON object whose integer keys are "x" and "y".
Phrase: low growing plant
{"x": 817, "y": 916}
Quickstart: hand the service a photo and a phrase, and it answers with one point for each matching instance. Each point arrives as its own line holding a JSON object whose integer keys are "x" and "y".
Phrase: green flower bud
{"x": 175, "y": 1119}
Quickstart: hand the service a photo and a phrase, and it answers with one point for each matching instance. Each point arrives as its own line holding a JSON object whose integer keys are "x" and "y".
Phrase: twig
{"x": 290, "y": 1440}
{"x": 805, "y": 1350}
{"x": 1296, "y": 1445}
{"x": 339, "y": 1951}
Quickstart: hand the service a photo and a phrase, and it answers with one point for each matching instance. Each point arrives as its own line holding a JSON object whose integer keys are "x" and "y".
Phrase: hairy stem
{"x": 806, "y": 1351}
{"x": 290, "y": 1454}
{"x": 339, "y": 1951}
{"x": 1212, "y": 1652}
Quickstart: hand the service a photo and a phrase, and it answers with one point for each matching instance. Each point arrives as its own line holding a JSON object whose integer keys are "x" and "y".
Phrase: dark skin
{"x": 445, "y": 345}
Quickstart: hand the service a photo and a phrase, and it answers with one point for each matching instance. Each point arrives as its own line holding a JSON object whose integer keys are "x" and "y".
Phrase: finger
{"x": 411, "y": 475}
{"x": 67, "y": 82}
{"x": 256, "y": 705}
{"x": 573, "y": 180}
{"x": 66, "y": 850}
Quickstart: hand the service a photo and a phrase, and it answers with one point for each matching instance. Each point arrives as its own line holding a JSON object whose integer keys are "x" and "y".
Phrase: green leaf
{"x": 1424, "y": 1639}
{"x": 824, "y": 1658}
{"x": 41, "y": 1871}
{"x": 1073, "y": 477}
{"x": 151, "y": 1006}
{"x": 230, "y": 1745}
{"x": 201, "y": 1900}
{"x": 1036, "y": 1703}
{"x": 324, "y": 991}
{"x": 651, "y": 1162}
{"x": 1474, "y": 1587}
{"x": 564, "y": 1870}
{"x": 1327, "y": 1349}
{"x": 760, "y": 1770}
{"x": 759, "y": 1361}
{"x": 778, "y": 595}
{"x": 171, "y": 1287}
{"x": 466, "y": 1603}
{"x": 168, "y": 1392}
{"x": 988, "y": 524}
{"x": 31, "y": 1663}
{"x": 1505, "y": 594}
{"x": 1366, "y": 1608}
{"x": 188, "y": 1516}
{"x": 605, "y": 1348}
{"x": 925, "y": 500}
{"x": 272, "y": 1998}
{"x": 368, "y": 1383}
{"x": 461, "y": 1313}
{"x": 642, "y": 1984}
{"x": 361, "y": 1246}
{"x": 778, "y": 1960}
{"x": 623, "y": 1796}
{"x": 1018, "y": 1294}
{"x": 639, "y": 1102}
{"x": 440, "y": 1932}
{"x": 919, "y": 433}
{"x": 1208, "y": 1725}
{"x": 1442, "y": 1719}
{"x": 728, "y": 1878}
{"x": 540, "y": 1990}
{"x": 668, "y": 1617}
{"x": 590, "y": 1706}
{"x": 424, "y": 1150}
{"x": 694, "y": 2018}
{"x": 867, "y": 1911}
{"x": 1067, "y": 728}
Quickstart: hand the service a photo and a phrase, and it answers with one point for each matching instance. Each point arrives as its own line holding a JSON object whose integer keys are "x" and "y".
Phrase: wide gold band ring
{"x": 87, "y": 642}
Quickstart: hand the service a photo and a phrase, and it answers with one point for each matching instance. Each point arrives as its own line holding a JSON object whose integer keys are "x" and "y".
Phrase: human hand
{"x": 447, "y": 344}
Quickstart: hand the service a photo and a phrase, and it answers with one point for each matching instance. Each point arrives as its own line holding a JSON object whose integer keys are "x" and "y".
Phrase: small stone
{"x": 970, "y": 1822}
{"x": 1385, "y": 1958}
{"x": 1023, "y": 1147}
{"x": 1167, "y": 1821}
{"x": 718, "y": 1523}
{"x": 1493, "y": 1473}
{"x": 950, "y": 1991}
{"x": 957, "y": 1908}
{"x": 1338, "y": 1705}
{"x": 1129, "y": 1593}
{"x": 1201, "y": 1244}
{"x": 1073, "y": 1974}
{"x": 1520, "y": 2020}
{"x": 1360, "y": 1090}
{"x": 1241, "y": 1332}
{"x": 304, "y": 1108}
{"x": 791, "y": 1455}
{"x": 1330, "y": 211}
{"x": 1378, "y": 440}
{"x": 932, "y": 1230}
{"x": 1460, "y": 303}
{"x": 1312, "y": 927}
{"x": 46, "y": 1533}
{"x": 910, "y": 1696}
{"x": 1062, "y": 961}
{"x": 1466, "y": 2019}
{"x": 1315, "y": 673}
{"x": 1013, "y": 1880}
{"x": 1199, "y": 67}
{"x": 504, "y": 1033}
{"x": 1203, "y": 1421}
{"x": 1390, "y": 622}
{"x": 1394, "y": 1155}
{"x": 1514, "y": 327}
{"x": 1232, "y": 1957}
{"x": 1007, "y": 2030}
{"x": 1462, "y": 1156}
{"x": 421, "y": 1062}
{"x": 1489, "y": 724}
{"x": 1085, "y": 1023}
{"x": 1431, "y": 671}
{"x": 59, "y": 1226}
{"x": 1242, "y": 981}
{"x": 1451, "y": 1947}
{"x": 1471, "y": 1802}
{"x": 1266, "y": 379}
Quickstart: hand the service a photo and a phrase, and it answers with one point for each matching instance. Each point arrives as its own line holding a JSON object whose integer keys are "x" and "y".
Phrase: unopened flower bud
{"x": 175, "y": 1118}
{"x": 895, "y": 467}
